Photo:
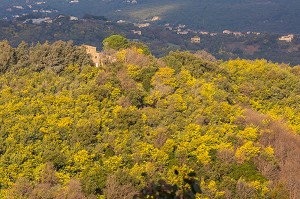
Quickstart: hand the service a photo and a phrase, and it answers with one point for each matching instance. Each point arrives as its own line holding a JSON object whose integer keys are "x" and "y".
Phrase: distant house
{"x": 238, "y": 34}
{"x": 41, "y": 20}
{"x": 181, "y": 26}
{"x": 19, "y": 7}
{"x": 142, "y": 25}
{"x": 287, "y": 38}
{"x": 168, "y": 26}
{"x": 121, "y": 21}
{"x": 155, "y": 18}
{"x": 61, "y": 16}
{"x": 179, "y": 32}
{"x": 228, "y": 32}
{"x": 203, "y": 33}
{"x": 40, "y": 2}
{"x": 195, "y": 40}
{"x": 137, "y": 32}
{"x": 72, "y": 18}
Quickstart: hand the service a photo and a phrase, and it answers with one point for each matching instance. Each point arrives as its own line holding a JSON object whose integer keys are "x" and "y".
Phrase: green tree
{"x": 22, "y": 55}
{"x": 115, "y": 42}
{"x": 6, "y": 56}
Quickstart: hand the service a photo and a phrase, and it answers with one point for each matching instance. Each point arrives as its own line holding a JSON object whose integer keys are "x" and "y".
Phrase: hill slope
{"x": 68, "y": 127}
{"x": 277, "y": 16}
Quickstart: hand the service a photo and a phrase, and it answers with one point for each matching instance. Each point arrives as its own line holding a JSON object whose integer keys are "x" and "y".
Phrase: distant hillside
{"x": 278, "y": 16}
{"x": 247, "y": 15}
{"x": 160, "y": 40}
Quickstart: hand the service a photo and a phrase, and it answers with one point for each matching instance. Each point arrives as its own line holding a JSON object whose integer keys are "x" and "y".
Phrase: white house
{"x": 287, "y": 38}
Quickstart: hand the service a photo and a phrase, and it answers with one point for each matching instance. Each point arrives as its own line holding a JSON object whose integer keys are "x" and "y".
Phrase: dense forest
{"x": 71, "y": 130}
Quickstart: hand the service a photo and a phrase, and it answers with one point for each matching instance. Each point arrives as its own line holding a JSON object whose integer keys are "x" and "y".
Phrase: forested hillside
{"x": 71, "y": 130}
{"x": 278, "y": 16}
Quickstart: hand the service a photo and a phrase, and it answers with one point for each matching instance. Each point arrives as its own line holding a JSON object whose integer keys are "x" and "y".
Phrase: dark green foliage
{"x": 115, "y": 42}
{"x": 136, "y": 97}
{"x": 140, "y": 45}
{"x": 145, "y": 77}
{"x": 57, "y": 158}
{"x": 128, "y": 119}
{"x": 54, "y": 56}
{"x": 93, "y": 180}
{"x": 7, "y": 58}
{"x": 186, "y": 60}
{"x": 163, "y": 190}
{"x": 58, "y": 55}
{"x": 22, "y": 55}
{"x": 93, "y": 17}
{"x": 247, "y": 171}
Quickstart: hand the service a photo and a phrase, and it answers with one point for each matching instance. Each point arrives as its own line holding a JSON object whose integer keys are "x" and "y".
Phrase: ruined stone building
{"x": 99, "y": 58}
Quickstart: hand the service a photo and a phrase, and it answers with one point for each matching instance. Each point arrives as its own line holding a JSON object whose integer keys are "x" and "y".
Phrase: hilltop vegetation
{"x": 72, "y": 130}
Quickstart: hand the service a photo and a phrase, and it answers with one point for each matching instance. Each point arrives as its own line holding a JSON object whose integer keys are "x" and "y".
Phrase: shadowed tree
{"x": 6, "y": 56}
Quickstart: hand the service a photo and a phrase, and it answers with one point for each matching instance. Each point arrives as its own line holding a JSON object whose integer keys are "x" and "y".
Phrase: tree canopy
{"x": 115, "y": 42}
{"x": 141, "y": 125}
